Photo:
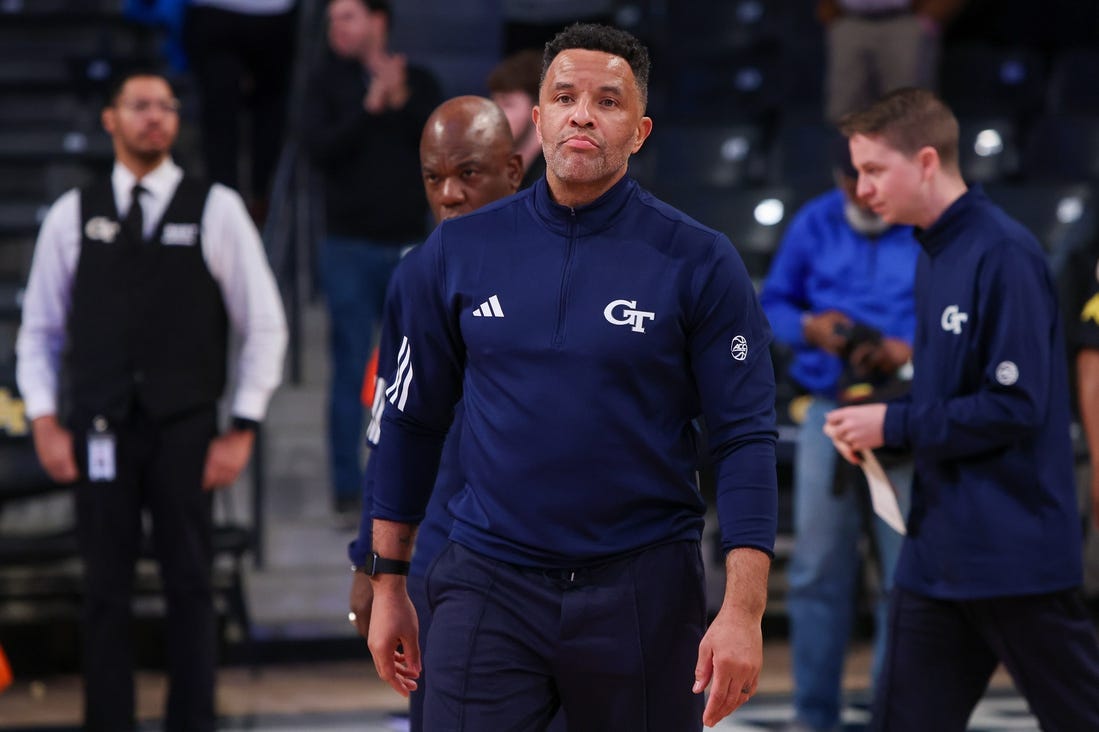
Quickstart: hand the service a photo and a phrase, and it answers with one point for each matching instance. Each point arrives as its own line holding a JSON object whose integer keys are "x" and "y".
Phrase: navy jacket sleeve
{"x": 1016, "y": 312}
{"x": 427, "y": 379}
{"x": 387, "y": 360}
{"x": 732, "y": 366}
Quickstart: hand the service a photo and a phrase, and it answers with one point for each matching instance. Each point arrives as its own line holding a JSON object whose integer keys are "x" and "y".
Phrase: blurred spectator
{"x": 362, "y": 122}
{"x": 513, "y": 85}
{"x": 875, "y": 46}
{"x": 840, "y": 295}
{"x": 122, "y": 355}
{"x": 241, "y": 52}
{"x": 532, "y": 23}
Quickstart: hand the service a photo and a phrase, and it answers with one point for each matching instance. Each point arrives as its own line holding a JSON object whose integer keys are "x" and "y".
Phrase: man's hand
{"x": 853, "y": 429}
{"x": 820, "y": 330}
{"x": 54, "y": 446}
{"x": 397, "y": 81}
{"x": 394, "y": 635}
{"x": 226, "y": 458}
{"x": 362, "y": 597}
{"x": 730, "y": 655}
{"x": 388, "y": 83}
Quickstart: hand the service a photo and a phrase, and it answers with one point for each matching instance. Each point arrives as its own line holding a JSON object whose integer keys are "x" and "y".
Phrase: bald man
{"x": 466, "y": 157}
{"x": 467, "y": 160}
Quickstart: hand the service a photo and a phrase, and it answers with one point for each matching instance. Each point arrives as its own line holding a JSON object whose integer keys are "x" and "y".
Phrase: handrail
{"x": 288, "y": 235}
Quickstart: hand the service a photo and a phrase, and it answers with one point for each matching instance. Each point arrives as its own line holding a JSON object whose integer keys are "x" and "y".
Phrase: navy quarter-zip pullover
{"x": 987, "y": 418}
{"x": 584, "y": 341}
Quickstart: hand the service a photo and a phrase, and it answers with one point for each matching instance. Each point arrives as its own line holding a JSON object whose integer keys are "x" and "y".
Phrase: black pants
{"x": 159, "y": 468}
{"x": 942, "y": 654}
{"x": 241, "y": 63}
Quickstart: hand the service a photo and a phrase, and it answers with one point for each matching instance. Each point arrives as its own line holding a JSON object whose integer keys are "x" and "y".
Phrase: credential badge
{"x": 179, "y": 235}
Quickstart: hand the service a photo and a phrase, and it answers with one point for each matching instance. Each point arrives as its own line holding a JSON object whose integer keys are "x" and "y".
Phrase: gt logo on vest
{"x": 101, "y": 229}
{"x": 629, "y": 315}
{"x": 953, "y": 318}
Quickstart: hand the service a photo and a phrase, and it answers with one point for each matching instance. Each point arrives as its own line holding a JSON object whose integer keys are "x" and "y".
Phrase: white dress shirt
{"x": 233, "y": 253}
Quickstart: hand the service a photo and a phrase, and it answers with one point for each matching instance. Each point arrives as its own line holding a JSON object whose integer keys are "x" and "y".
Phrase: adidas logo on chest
{"x": 490, "y": 308}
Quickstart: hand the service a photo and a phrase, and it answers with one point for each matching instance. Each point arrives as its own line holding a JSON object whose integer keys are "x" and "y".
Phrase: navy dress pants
{"x": 613, "y": 646}
{"x": 942, "y": 654}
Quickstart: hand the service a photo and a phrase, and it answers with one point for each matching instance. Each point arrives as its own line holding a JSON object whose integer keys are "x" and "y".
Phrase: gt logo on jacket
{"x": 630, "y": 315}
{"x": 953, "y": 319}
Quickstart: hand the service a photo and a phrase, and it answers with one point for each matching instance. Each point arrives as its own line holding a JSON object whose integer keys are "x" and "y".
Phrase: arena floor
{"x": 346, "y": 696}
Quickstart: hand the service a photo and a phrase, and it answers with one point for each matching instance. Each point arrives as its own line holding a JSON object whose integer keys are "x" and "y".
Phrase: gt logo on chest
{"x": 625, "y": 312}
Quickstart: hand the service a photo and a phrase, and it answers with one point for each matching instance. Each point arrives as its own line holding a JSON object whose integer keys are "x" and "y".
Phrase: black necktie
{"x": 134, "y": 224}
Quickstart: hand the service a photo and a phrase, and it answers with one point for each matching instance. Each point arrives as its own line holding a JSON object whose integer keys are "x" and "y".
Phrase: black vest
{"x": 147, "y": 326}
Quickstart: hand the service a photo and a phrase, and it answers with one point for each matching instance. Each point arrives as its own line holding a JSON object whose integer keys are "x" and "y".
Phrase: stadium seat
{"x": 1062, "y": 148}
{"x": 1072, "y": 82}
{"x": 802, "y": 155}
{"x": 1062, "y": 217}
{"x": 725, "y": 25}
{"x": 707, "y": 155}
{"x": 742, "y": 86}
{"x": 752, "y": 218}
{"x": 978, "y": 79}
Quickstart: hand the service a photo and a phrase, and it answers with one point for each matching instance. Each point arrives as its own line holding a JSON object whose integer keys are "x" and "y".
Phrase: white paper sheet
{"x": 883, "y": 496}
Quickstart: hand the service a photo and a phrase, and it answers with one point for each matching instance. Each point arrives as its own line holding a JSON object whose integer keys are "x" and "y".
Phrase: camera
{"x": 859, "y": 341}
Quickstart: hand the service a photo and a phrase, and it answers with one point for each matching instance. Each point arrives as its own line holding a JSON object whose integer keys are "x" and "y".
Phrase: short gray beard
{"x": 864, "y": 222}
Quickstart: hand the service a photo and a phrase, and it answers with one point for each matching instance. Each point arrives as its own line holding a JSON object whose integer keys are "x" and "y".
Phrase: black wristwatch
{"x": 243, "y": 424}
{"x": 376, "y": 565}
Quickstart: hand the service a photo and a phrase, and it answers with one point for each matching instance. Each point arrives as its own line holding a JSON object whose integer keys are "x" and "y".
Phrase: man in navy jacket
{"x": 467, "y": 162}
{"x": 585, "y": 325}
{"x": 991, "y": 568}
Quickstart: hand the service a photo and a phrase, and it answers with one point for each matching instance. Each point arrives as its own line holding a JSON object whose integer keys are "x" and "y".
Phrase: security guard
{"x": 121, "y": 361}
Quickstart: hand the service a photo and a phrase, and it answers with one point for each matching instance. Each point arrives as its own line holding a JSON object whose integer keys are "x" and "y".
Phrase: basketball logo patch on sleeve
{"x": 739, "y": 348}
{"x": 1007, "y": 373}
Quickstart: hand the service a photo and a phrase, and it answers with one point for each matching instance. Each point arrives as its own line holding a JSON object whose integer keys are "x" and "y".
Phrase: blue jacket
{"x": 583, "y": 342}
{"x": 824, "y": 264}
{"x": 431, "y": 536}
{"x": 994, "y": 498}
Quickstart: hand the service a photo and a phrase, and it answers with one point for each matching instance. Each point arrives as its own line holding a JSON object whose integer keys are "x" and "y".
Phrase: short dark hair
{"x": 596, "y": 37}
{"x": 520, "y": 72}
{"x": 122, "y": 75}
{"x": 909, "y": 119}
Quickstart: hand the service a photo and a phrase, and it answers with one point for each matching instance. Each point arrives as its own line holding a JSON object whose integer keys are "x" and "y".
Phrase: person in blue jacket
{"x": 991, "y": 567}
{"x": 839, "y": 294}
{"x": 585, "y": 325}
{"x": 467, "y": 159}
